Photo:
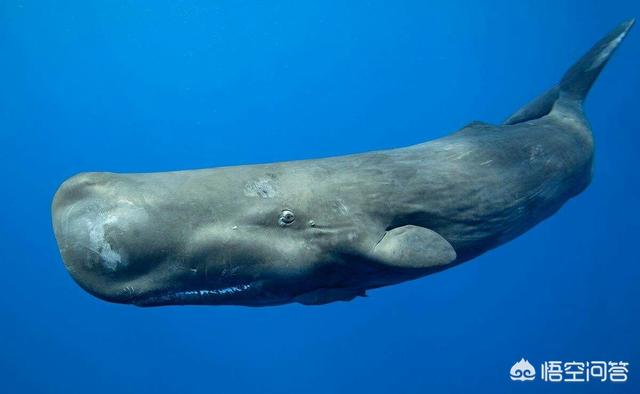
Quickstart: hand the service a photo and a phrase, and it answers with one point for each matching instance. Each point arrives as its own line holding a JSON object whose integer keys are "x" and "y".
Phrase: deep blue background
{"x": 131, "y": 86}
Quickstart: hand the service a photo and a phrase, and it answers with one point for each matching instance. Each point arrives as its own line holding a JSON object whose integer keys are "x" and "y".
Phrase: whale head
{"x": 139, "y": 239}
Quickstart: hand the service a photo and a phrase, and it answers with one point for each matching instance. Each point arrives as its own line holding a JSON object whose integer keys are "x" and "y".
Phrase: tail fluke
{"x": 577, "y": 82}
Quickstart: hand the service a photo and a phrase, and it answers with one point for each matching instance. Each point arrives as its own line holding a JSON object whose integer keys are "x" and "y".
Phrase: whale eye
{"x": 286, "y": 217}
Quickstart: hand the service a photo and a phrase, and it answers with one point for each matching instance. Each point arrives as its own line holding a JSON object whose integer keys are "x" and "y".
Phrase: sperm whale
{"x": 324, "y": 230}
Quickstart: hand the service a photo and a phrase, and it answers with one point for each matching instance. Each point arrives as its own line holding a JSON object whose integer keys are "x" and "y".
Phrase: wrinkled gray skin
{"x": 318, "y": 231}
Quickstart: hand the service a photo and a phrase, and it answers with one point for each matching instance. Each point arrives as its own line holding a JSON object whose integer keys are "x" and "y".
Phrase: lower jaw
{"x": 195, "y": 297}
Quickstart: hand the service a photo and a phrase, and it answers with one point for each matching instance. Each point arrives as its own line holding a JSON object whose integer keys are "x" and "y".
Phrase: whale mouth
{"x": 193, "y": 297}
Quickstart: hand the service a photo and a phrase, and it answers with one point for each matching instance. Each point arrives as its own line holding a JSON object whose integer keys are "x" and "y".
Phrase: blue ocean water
{"x": 132, "y": 86}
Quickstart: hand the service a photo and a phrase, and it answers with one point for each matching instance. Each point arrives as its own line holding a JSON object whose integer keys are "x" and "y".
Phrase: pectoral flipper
{"x": 413, "y": 247}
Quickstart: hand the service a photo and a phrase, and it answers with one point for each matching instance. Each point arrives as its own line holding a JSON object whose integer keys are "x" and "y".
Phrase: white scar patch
{"x": 109, "y": 257}
{"x": 262, "y": 188}
{"x": 120, "y": 217}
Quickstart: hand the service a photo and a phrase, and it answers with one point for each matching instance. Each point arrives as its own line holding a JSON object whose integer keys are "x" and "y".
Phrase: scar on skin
{"x": 262, "y": 188}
